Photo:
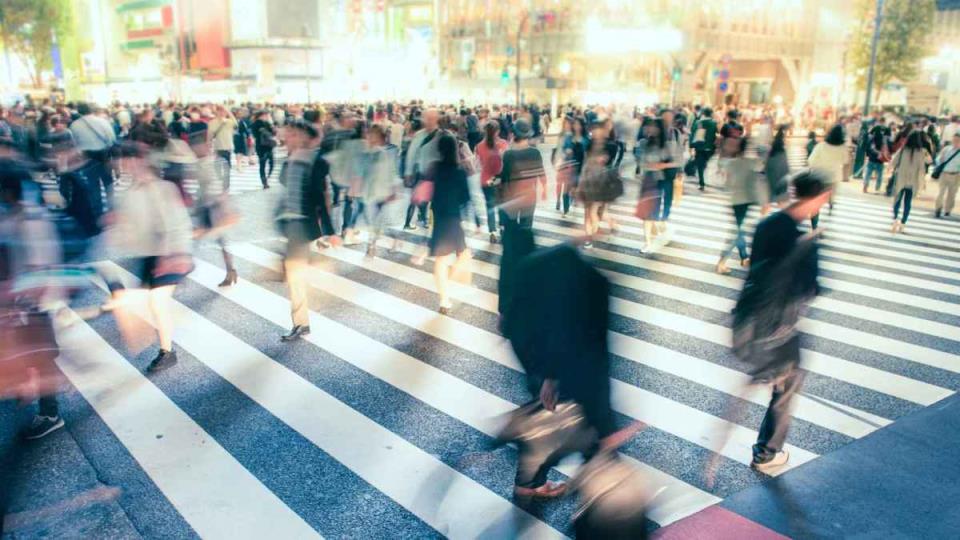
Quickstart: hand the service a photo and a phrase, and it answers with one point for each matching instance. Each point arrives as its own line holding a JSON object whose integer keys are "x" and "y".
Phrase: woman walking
{"x": 910, "y": 171}
{"x": 657, "y": 152}
{"x": 741, "y": 181}
{"x": 154, "y": 230}
{"x": 776, "y": 170}
{"x": 570, "y": 161}
{"x": 448, "y": 245}
{"x": 490, "y": 154}
{"x": 828, "y": 158}
{"x": 382, "y": 184}
{"x": 599, "y": 182}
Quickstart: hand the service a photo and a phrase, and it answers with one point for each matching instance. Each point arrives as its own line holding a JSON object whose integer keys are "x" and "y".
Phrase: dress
{"x": 450, "y": 194}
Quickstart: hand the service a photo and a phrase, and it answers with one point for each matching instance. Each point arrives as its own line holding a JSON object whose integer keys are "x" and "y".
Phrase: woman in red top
{"x": 490, "y": 153}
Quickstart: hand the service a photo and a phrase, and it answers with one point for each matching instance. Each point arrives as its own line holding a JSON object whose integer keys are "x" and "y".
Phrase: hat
{"x": 522, "y": 129}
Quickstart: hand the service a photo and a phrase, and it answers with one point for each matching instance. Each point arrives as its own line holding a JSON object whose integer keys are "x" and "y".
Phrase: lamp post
{"x": 305, "y": 32}
{"x": 873, "y": 55}
{"x": 523, "y": 22}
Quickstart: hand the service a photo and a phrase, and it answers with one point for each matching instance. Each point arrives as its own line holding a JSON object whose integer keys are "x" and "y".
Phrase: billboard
{"x": 293, "y": 19}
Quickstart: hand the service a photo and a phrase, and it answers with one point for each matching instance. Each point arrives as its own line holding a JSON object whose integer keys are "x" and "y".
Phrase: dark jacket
{"x": 314, "y": 203}
{"x": 557, "y": 323}
{"x": 262, "y": 133}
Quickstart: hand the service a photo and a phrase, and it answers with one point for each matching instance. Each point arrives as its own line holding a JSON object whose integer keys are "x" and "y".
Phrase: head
{"x": 447, "y": 148}
{"x": 835, "y": 137}
{"x": 706, "y": 112}
{"x": 915, "y": 140}
{"x": 811, "y": 135}
{"x": 667, "y": 116}
{"x": 431, "y": 119}
{"x": 733, "y": 115}
{"x": 490, "y": 131}
{"x": 579, "y": 126}
{"x": 299, "y": 135}
{"x": 812, "y": 191}
{"x": 83, "y": 109}
{"x": 522, "y": 131}
{"x": 655, "y": 132}
{"x": 376, "y": 135}
{"x": 735, "y": 146}
{"x": 955, "y": 141}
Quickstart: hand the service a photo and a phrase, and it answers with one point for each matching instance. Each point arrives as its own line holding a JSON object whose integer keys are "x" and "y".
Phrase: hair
{"x": 732, "y": 114}
{"x": 811, "y": 135}
{"x": 661, "y": 139}
{"x": 448, "y": 149}
{"x": 835, "y": 136}
{"x": 809, "y": 184}
{"x": 707, "y": 111}
{"x": 582, "y": 123}
{"x": 83, "y": 109}
{"x": 379, "y": 130}
{"x": 490, "y": 132}
{"x": 304, "y": 127}
{"x": 311, "y": 115}
{"x": 915, "y": 141}
{"x": 779, "y": 145}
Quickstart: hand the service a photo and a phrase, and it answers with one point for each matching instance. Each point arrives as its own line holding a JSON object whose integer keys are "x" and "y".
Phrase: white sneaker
{"x": 779, "y": 459}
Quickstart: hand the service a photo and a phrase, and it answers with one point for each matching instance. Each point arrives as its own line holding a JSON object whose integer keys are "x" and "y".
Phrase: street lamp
{"x": 873, "y": 55}
{"x": 305, "y": 32}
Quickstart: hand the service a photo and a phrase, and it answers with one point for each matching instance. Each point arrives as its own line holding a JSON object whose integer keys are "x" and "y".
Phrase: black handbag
{"x": 938, "y": 170}
{"x": 690, "y": 168}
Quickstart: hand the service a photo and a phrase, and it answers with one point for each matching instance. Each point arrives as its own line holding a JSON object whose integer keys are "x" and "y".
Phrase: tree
{"x": 30, "y": 28}
{"x": 903, "y": 40}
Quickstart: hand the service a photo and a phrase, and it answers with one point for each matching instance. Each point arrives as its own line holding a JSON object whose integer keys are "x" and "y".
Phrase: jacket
{"x": 313, "y": 197}
{"x": 911, "y": 169}
{"x": 828, "y": 160}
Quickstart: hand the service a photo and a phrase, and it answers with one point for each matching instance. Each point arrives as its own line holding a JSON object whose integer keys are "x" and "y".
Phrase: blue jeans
{"x": 739, "y": 242}
{"x": 873, "y": 168}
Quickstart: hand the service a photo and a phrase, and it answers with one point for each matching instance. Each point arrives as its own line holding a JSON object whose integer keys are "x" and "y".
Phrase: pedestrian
{"x": 421, "y": 155}
{"x": 657, "y": 153}
{"x": 781, "y": 281}
{"x": 265, "y": 140}
{"x": 703, "y": 143}
{"x": 878, "y": 152}
{"x": 948, "y": 171}
{"x": 600, "y": 182}
{"x": 382, "y": 183}
{"x": 811, "y": 142}
{"x": 910, "y": 171}
{"x": 153, "y": 228}
{"x": 450, "y": 195}
{"x": 303, "y": 216}
{"x": 490, "y": 154}
{"x": 742, "y": 184}
{"x": 221, "y": 131}
{"x": 95, "y": 138}
{"x": 776, "y": 168}
{"x": 570, "y": 161}
{"x": 523, "y": 169}
{"x": 829, "y": 159}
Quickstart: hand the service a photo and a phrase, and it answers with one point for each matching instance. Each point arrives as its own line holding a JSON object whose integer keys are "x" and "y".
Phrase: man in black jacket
{"x": 303, "y": 216}
{"x": 265, "y": 140}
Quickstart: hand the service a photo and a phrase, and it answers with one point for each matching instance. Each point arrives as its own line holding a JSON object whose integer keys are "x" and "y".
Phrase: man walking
{"x": 422, "y": 154}
{"x": 782, "y": 280}
{"x": 221, "y": 131}
{"x": 704, "y": 143}
{"x": 95, "y": 137}
{"x": 949, "y": 166}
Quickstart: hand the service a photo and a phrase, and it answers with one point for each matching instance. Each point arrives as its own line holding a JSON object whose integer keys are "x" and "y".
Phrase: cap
{"x": 522, "y": 129}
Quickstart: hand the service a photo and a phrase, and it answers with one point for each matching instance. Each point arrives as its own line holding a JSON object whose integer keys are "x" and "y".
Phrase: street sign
{"x": 510, "y": 50}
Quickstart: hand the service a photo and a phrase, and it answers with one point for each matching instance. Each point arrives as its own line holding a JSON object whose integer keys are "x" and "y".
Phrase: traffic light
{"x": 504, "y": 75}
{"x": 676, "y": 73}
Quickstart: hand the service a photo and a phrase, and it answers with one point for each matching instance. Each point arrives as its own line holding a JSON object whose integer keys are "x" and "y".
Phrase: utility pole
{"x": 873, "y": 55}
{"x": 523, "y": 22}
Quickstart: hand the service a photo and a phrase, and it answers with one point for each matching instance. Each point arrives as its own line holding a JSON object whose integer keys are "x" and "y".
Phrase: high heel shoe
{"x": 231, "y": 279}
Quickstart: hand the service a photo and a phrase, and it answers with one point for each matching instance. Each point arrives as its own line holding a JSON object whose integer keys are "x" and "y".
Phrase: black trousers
{"x": 223, "y": 168}
{"x": 776, "y": 421}
{"x": 421, "y": 210}
{"x": 700, "y": 159}
{"x": 264, "y": 155}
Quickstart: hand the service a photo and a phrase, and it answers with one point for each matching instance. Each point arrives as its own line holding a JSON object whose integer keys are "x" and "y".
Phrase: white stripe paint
{"x": 213, "y": 492}
{"x": 448, "y": 501}
{"x": 442, "y": 391}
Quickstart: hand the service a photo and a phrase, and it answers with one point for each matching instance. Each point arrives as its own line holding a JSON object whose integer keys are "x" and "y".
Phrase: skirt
{"x": 447, "y": 236}
{"x": 648, "y": 206}
{"x": 151, "y": 279}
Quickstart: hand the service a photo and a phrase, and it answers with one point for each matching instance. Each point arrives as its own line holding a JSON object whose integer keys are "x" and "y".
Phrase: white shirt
{"x": 92, "y": 133}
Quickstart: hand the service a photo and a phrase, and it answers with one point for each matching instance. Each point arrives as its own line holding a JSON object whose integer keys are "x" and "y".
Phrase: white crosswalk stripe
{"x": 881, "y": 342}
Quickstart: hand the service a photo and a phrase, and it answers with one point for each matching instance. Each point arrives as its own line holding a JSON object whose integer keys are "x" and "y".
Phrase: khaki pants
{"x": 948, "y": 190}
{"x": 295, "y": 265}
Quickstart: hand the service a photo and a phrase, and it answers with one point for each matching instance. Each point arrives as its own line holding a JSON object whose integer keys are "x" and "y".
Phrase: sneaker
{"x": 410, "y": 227}
{"x": 936, "y": 214}
{"x": 164, "y": 360}
{"x": 42, "y": 426}
{"x": 778, "y": 460}
{"x": 550, "y": 490}
{"x": 493, "y": 238}
{"x": 588, "y": 245}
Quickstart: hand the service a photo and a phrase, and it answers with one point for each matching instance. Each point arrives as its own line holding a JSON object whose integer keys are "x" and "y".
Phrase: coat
{"x": 911, "y": 169}
{"x": 829, "y": 160}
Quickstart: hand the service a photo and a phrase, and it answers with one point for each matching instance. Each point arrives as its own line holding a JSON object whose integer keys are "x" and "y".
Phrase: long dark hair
{"x": 835, "y": 136}
{"x": 490, "y": 132}
{"x": 778, "y": 146}
{"x": 447, "y": 148}
{"x": 915, "y": 141}
{"x": 661, "y": 139}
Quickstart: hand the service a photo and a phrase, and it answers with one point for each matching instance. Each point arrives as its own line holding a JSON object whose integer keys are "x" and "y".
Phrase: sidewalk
{"x": 902, "y": 481}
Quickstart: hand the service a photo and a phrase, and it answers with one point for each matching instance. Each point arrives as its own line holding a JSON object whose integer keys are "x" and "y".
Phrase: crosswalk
{"x": 381, "y": 423}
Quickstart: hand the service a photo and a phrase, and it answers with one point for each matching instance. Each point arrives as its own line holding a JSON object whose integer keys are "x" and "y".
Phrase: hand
{"x": 549, "y": 394}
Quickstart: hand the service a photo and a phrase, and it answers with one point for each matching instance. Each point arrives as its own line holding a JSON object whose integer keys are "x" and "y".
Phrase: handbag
{"x": 690, "y": 167}
{"x": 938, "y": 170}
{"x": 422, "y": 192}
{"x": 612, "y": 498}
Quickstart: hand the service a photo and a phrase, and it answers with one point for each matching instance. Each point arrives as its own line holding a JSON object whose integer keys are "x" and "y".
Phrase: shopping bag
{"x": 422, "y": 192}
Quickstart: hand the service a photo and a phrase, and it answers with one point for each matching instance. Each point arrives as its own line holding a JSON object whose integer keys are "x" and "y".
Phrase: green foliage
{"x": 29, "y": 28}
{"x": 903, "y": 40}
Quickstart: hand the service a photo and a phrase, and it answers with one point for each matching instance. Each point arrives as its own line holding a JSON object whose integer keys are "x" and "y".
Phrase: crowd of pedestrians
{"x": 350, "y": 173}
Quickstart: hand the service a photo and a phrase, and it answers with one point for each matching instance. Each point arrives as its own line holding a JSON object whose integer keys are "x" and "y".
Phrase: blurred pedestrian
{"x": 95, "y": 137}
{"x": 490, "y": 153}
{"x": 265, "y": 140}
{"x": 447, "y": 242}
{"x": 947, "y": 173}
{"x": 742, "y": 184}
{"x": 910, "y": 171}
{"x": 221, "y": 132}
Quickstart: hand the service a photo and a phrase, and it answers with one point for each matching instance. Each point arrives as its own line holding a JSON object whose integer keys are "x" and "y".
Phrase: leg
{"x": 951, "y": 192}
{"x": 907, "y": 200}
{"x": 262, "y": 159}
{"x": 489, "y": 199}
{"x": 162, "y": 318}
{"x": 410, "y": 209}
{"x": 667, "y": 195}
{"x": 941, "y": 195}
{"x": 896, "y": 205}
{"x": 295, "y": 264}
{"x": 700, "y": 160}
{"x": 776, "y": 421}
{"x": 270, "y": 158}
{"x": 815, "y": 221}
{"x": 441, "y": 277}
{"x": 422, "y": 214}
{"x": 740, "y": 214}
